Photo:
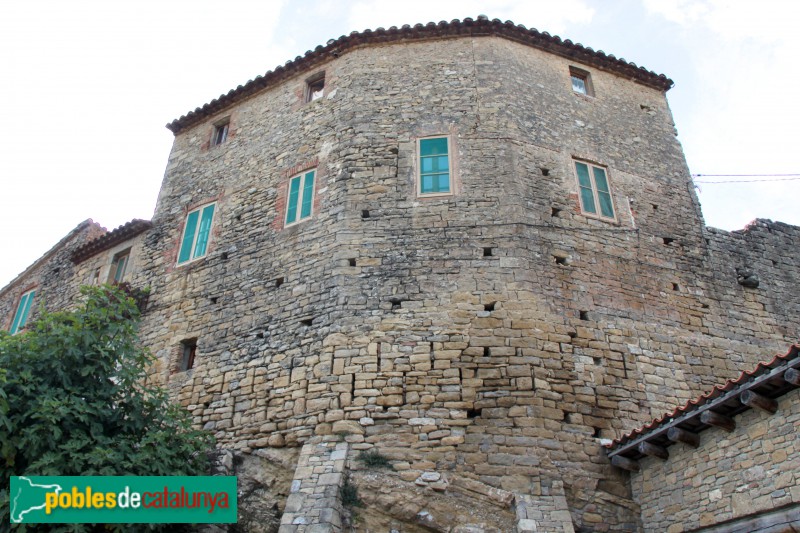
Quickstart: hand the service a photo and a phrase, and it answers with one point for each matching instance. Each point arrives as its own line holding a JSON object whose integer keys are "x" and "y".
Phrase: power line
{"x": 765, "y": 177}
{"x": 741, "y": 175}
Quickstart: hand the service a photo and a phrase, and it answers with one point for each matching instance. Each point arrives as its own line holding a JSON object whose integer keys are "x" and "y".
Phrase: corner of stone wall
{"x": 264, "y": 479}
{"x": 314, "y": 504}
{"x": 544, "y": 512}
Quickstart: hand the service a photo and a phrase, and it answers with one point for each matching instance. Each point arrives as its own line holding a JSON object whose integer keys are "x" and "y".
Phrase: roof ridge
{"x": 111, "y": 238}
{"x": 443, "y": 29}
{"x": 61, "y": 242}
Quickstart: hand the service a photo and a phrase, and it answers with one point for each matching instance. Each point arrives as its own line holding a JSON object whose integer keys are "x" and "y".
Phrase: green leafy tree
{"x": 75, "y": 399}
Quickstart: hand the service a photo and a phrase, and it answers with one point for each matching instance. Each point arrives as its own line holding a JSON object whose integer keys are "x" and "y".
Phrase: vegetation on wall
{"x": 75, "y": 399}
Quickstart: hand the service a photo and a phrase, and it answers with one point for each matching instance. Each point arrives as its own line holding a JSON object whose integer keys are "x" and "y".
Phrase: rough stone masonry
{"x": 486, "y": 339}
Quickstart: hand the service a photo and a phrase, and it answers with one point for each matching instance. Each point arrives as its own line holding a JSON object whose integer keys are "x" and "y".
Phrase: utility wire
{"x": 768, "y": 177}
{"x": 745, "y": 175}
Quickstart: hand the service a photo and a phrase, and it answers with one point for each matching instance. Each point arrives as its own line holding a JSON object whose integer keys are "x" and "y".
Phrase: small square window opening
{"x": 220, "y": 132}
{"x": 315, "y": 87}
{"x": 300, "y": 202}
{"x": 189, "y": 353}
{"x": 595, "y": 192}
{"x": 581, "y": 81}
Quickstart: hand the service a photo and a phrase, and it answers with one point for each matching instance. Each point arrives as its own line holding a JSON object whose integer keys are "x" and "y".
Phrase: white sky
{"x": 86, "y": 88}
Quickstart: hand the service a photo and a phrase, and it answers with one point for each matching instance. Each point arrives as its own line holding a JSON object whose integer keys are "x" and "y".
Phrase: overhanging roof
{"x": 768, "y": 380}
{"x": 419, "y": 32}
{"x": 110, "y": 239}
{"x": 86, "y": 224}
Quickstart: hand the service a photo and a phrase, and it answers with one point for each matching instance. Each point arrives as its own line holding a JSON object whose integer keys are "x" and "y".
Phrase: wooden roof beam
{"x": 752, "y": 399}
{"x": 676, "y": 434}
{"x": 653, "y": 450}
{"x": 624, "y": 463}
{"x": 662, "y": 431}
{"x": 710, "y": 418}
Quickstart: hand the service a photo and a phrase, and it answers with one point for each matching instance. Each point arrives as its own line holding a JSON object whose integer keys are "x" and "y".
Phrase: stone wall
{"x": 99, "y": 268}
{"x": 53, "y": 276}
{"x": 315, "y": 502}
{"x": 497, "y": 332}
{"x": 754, "y": 469}
{"x": 496, "y": 335}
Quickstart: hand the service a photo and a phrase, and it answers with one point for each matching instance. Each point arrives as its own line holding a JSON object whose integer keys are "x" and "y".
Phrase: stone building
{"x": 470, "y": 248}
{"x": 740, "y": 476}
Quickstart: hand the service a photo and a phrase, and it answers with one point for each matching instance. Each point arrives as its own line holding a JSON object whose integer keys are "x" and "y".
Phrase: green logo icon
{"x": 28, "y": 497}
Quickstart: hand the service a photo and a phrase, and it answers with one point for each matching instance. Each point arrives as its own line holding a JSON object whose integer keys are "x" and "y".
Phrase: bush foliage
{"x": 75, "y": 399}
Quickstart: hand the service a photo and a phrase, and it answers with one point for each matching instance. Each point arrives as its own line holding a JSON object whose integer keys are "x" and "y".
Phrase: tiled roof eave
{"x": 765, "y": 378}
{"x": 456, "y": 28}
{"x": 50, "y": 253}
{"x": 110, "y": 239}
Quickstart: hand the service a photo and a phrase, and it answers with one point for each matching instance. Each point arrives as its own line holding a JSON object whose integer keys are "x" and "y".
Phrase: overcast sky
{"x": 86, "y": 88}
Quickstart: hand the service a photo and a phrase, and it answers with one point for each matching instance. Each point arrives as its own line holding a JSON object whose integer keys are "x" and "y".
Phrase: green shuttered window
{"x": 300, "y": 203}
{"x": 120, "y": 266}
{"x": 23, "y": 309}
{"x": 196, "y": 233}
{"x": 434, "y": 166}
{"x": 595, "y": 192}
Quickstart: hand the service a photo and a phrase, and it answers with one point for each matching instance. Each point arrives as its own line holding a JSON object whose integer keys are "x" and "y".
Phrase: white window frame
{"x": 599, "y": 214}
{"x": 300, "y": 197}
{"x": 450, "y": 172}
{"x": 198, "y": 209}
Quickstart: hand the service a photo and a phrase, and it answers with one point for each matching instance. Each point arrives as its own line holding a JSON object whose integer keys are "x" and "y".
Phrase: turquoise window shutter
{"x": 436, "y": 146}
{"x": 204, "y": 232}
{"x": 119, "y": 273}
{"x": 21, "y": 316}
{"x": 585, "y": 182}
{"x": 188, "y": 237}
{"x": 603, "y": 192}
{"x": 294, "y": 192}
{"x": 18, "y": 314}
{"x": 308, "y": 195}
{"x": 28, "y": 305}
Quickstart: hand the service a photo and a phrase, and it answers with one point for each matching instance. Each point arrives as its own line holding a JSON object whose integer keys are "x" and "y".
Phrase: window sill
{"x": 607, "y": 220}
{"x": 434, "y": 195}
{"x": 191, "y": 261}
{"x": 297, "y": 223}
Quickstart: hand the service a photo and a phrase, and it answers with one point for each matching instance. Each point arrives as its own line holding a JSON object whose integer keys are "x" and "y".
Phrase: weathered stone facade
{"x": 753, "y": 469}
{"x": 490, "y": 338}
{"x": 52, "y": 276}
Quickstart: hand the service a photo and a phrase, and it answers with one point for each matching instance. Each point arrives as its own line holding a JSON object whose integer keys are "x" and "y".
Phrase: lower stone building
{"x": 435, "y": 270}
{"x": 727, "y": 461}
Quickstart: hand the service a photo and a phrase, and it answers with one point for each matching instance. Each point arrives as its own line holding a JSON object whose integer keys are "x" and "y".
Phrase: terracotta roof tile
{"x": 110, "y": 239}
{"x": 87, "y": 224}
{"x": 694, "y": 404}
{"x": 455, "y": 28}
